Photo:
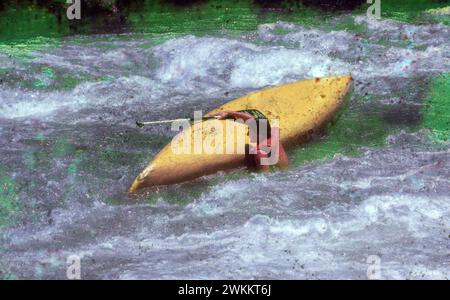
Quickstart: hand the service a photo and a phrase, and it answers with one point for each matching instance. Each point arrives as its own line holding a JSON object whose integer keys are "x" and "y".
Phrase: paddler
{"x": 261, "y": 149}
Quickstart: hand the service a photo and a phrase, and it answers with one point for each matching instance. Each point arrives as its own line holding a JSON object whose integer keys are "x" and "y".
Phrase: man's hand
{"x": 221, "y": 115}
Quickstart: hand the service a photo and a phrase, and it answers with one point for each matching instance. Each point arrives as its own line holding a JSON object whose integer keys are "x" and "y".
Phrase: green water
{"x": 436, "y": 115}
{"x": 9, "y": 200}
{"x": 413, "y": 11}
{"x": 354, "y": 130}
{"x": 30, "y": 21}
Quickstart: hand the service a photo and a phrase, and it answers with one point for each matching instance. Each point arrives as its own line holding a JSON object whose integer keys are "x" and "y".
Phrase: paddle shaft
{"x": 142, "y": 124}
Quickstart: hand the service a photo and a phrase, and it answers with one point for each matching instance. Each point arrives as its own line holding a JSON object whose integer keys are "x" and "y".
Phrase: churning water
{"x": 69, "y": 150}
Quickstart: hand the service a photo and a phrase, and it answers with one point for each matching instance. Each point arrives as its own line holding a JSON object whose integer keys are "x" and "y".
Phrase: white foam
{"x": 15, "y": 103}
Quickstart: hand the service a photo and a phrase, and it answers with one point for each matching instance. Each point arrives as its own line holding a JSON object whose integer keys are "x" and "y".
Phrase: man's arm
{"x": 233, "y": 114}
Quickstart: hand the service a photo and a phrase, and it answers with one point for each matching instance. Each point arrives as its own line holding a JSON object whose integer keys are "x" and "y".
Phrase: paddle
{"x": 141, "y": 124}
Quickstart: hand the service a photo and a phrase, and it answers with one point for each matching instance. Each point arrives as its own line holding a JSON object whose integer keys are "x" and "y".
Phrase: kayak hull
{"x": 299, "y": 109}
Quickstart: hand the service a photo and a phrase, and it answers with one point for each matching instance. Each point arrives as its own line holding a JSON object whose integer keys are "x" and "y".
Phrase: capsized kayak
{"x": 300, "y": 107}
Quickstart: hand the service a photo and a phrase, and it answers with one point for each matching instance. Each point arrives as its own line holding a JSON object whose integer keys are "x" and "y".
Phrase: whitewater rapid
{"x": 71, "y": 151}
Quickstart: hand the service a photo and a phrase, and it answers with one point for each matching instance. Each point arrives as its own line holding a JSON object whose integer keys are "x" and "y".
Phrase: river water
{"x": 374, "y": 189}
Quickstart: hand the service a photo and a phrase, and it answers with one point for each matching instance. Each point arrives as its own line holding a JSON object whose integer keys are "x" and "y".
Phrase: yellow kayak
{"x": 300, "y": 107}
